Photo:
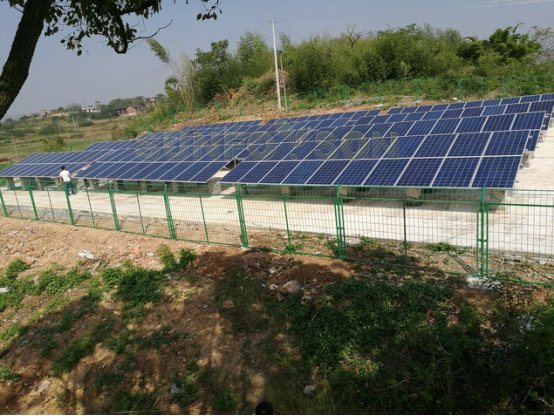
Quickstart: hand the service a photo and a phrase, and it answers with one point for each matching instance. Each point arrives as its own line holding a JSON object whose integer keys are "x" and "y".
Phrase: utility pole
{"x": 284, "y": 86}
{"x": 14, "y": 145}
{"x": 272, "y": 21}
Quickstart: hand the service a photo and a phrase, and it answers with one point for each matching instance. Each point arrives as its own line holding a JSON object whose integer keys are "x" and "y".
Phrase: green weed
{"x": 6, "y": 374}
{"x": 171, "y": 265}
{"x": 224, "y": 401}
{"x": 440, "y": 247}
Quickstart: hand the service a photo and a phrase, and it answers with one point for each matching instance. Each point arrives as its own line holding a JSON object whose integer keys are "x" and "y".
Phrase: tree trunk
{"x": 16, "y": 68}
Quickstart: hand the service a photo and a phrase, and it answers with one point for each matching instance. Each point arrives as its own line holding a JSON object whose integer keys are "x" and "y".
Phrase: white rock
{"x": 44, "y": 385}
{"x": 4, "y": 289}
{"x": 175, "y": 389}
{"x": 525, "y": 322}
{"x": 309, "y": 389}
{"x": 291, "y": 287}
{"x": 272, "y": 270}
{"x": 150, "y": 254}
{"x": 480, "y": 283}
{"x": 84, "y": 254}
{"x": 273, "y": 287}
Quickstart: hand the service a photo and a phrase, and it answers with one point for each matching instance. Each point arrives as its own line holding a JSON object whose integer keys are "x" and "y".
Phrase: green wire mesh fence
{"x": 505, "y": 234}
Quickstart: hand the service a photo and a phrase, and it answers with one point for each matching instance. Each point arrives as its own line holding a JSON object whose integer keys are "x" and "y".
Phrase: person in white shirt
{"x": 65, "y": 177}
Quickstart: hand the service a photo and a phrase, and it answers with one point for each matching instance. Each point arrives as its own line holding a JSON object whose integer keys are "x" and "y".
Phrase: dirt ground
{"x": 44, "y": 243}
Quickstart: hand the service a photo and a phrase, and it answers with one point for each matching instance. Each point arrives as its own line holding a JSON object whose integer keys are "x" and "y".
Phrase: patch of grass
{"x": 48, "y": 346}
{"x": 441, "y": 247}
{"x": 168, "y": 259}
{"x": 365, "y": 243}
{"x": 332, "y": 245}
{"x": 136, "y": 286}
{"x": 52, "y": 283}
{"x": 6, "y": 374}
{"x": 65, "y": 400}
{"x": 81, "y": 348}
{"x": 105, "y": 380}
{"x": 188, "y": 383}
{"x": 132, "y": 403}
{"x": 224, "y": 401}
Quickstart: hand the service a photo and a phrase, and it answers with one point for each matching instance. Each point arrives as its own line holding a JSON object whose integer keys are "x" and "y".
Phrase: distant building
{"x": 151, "y": 102}
{"x": 129, "y": 109}
{"x": 90, "y": 109}
{"x": 42, "y": 114}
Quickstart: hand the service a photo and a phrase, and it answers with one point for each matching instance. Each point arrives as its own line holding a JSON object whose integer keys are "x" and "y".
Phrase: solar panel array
{"x": 463, "y": 144}
{"x": 47, "y": 165}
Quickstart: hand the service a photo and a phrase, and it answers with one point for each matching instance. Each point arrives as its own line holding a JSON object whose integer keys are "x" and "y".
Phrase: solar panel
{"x": 494, "y": 110}
{"x": 424, "y": 108}
{"x": 401, "y": 129}
{"x": 185, "y": 172}
{"x": 302, "y": 173}
{"x": 422, "y": 127}
{"x": 517, "y": 108}
{"x": 414, "y": 116}
{"x": 497, "y": 172}
{"x": 396, "y": 118}
{"x": 433, "y": 115}
{"x": 258, "y": 172}
{"x": 395, "y": 110}
{"x": 545, "y": 106}
{"x": 494, "y": 102}
{"x": 279, "y": 172}
{"x": 356, "y": 172}
{"x": 507, "y": 143}
{"x": 328, "y": 172}
{"x": 436, "y": 145}
{"x": 386, "y": 172}
{"x": 471, "y": 125}
{"x": 471, "y": 104}
{"x": 511, "y": 100}
{"x": 456, "y": 106}
{"x": 528, "y": 121}
{"x": 456, "y": 172}
{"x": 404, "y": 147}
{"x": 469, "y": 144}
{"x": 452, "y": 113}
{"x": 472, "y": 112}
{"x": 420, "y": 172}
{"x": 499, "y": 123}
{"x": 533, "y": 139}
{"x": 446, "y": 126}
{"x": 440, "y": 107}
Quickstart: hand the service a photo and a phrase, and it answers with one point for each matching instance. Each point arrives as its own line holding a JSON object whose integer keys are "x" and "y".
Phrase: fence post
{"x": 140, "y": 215}
{"x": 379, "y": 91}
{"x": 3, "y": 204}
{"x": 287, "y": 102}
{"x": 69, "y": 204}
{"x": 287, "y": 223}
{"x": 204, "y": 219}
{"x": 125, "y": 133}
{"x": 396, "y": 90}
{"x": 532, "y": 84}
{"x": 198, "y": 109}
{"x": 170, "y": 224}
{"x": 507, "y": 89}
{"x": 459, "y": 87}
{"x": 417, "y": 89}
{"x": 242, "y": 222}
{"x": 345, "y": 95}
{"x": 482, "y": 87}
{"x": 218, "y": 110}
{"x": 405, "y": 230}
{"x": 482, "y": 211}
{"x": 362, "y": 93}
{"x": 339, "y": 223}
{"x": 114, "y": 211}
{"x": 89, "y": 206}
{"x": 315, "y": 98}
{"x": 32, "y": 201}
{"x": 263, "y": 105}
{"x": 438, "y": 94}
{"x": 172, "y": 118}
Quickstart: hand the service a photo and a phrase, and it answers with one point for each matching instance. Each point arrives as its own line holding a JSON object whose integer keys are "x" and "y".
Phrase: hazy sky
{"x": 58, "y": 77}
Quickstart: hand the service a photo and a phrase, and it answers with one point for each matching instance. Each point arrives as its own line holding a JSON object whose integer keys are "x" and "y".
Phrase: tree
{"x": 83, "y": 19}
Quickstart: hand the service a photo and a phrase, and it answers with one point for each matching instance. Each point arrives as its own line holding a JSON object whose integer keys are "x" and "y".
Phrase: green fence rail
{"x": 501, "y": 234}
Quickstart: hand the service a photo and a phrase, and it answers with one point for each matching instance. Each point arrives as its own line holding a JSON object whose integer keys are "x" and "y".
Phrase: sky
{"x": 59, "y": 77}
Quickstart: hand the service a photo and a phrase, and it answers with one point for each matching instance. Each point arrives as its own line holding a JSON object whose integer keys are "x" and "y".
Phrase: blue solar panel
{"x": 433, "y": 115}
{"x": 511, "y": 100}
{"x": 328, "y": 172}
{"x": 507, "y": 143}
{"x": 404, "y": 147}
{"x": 188, "y": 171}
{"x": 530, "y": 99}
{"x": 436, "y": 145}
{"x": 473, "y": 111}
{"x": 440, "y": 107}
{"x": 456, "y": 106}
{"x": 356, "y": 172}
{"x": 414, "y": 116}
{"x": 395, "y": 110}
{"x": 407, "y": 110}
{"x": 422, "y": 127}
{"x": 517, "y": 108}
{"x": 472, "y": 104}
{"x": 135, "y": 169}
{"x": 547, "y": 97}
{"x": 208, "y": 172}
{"x": 156, "y": 172}
{"x": 386, "y": 173}
{"x": 497, "y": 172}
{"x": 348, "y": 149}
{"x": 258, "y": 172}
{"x": 396, "y": 118}
{"x": 545, "y": 106}
{"x": 499, "y": 123}
{"x": 279, "y": 172}
{"x": 424, "y": 108}
{"x": 456, "y": 172}
{"x": 446, "y": 126}
{"x": 495, "y": 110}
{"x": 420, "y": 172}
{"x": 528, "y": 121}
{"x": 470, "y": 144}
{"x": 471, "y": 125}
{"x": 146, "y": 170}
{"x": 401, "y": 129}
{"x": 364, "y": 120}
{"x": 302, "y": 173}
{"x": 533, "y": 139}
{"x": 379, "y": 130}
{"x": 452, "y": 113}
